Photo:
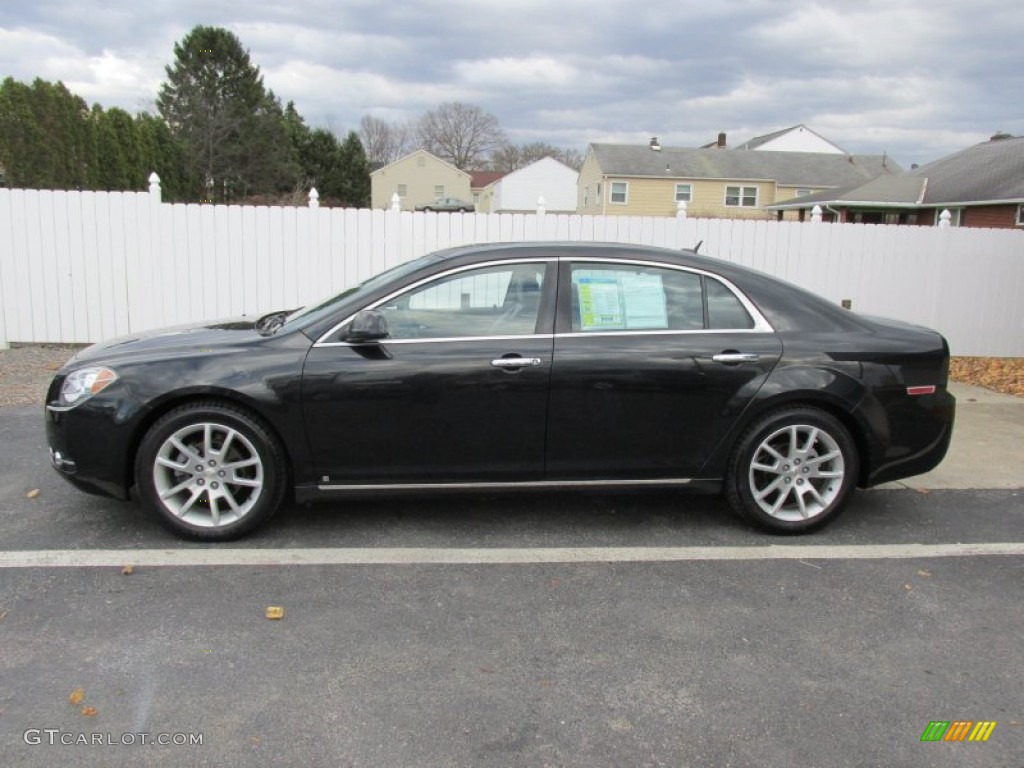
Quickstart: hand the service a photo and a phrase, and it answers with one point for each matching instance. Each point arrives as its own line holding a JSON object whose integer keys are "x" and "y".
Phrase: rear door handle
{"x": 515, "y": 362}
{"x": 736, "y": 357}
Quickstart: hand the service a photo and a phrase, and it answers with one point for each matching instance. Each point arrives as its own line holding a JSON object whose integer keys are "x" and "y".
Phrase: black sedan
{"x": 511, "y": 366}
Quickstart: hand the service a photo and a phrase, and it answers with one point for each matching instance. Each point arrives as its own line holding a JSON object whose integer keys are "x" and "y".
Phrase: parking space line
{"x": 68, "y": 558}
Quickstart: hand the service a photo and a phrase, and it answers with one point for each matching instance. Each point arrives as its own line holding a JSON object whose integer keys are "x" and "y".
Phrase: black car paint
{"x": 855, "y": 367}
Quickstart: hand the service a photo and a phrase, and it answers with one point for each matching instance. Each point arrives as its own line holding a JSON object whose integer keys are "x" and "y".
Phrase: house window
{"x": 620, "y": 192}
{"x": 421, "y": 161}
{"x": 597, "y": 197}
{"x": 954, "y": 213}
{"x": 804, "y": 192}
{"x": 745, "y": 197}
{"x": 586, "y": 193}
{"x": 402, "y": 190}
{"x": 439, "y": 190}
{"x": 1020, "y": 215}
{"x": 684, "y": 192}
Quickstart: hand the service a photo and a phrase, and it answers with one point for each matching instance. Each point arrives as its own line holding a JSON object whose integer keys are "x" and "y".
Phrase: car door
{"x": 652, "y": 365}
{"x": 456, "y": 393}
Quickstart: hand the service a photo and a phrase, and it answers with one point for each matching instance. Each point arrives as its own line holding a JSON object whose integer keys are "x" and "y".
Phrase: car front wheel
{"x": 793, "y": 470}
{"x": 211, "y": 471}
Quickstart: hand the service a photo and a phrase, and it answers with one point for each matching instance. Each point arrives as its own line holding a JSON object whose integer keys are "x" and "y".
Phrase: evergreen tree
{"x": 231, "y": 128}
{"x": 113, "y": 168}
{"x": 160, "y": 152}
{"x": 355, "y": 185}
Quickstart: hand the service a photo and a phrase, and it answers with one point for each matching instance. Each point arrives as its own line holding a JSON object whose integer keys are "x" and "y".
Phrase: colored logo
{"x": 958, "y": 730}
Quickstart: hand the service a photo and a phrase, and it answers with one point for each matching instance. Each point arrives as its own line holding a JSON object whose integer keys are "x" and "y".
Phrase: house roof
{"x": 481, "y": 179}
{"x": 423, "y": 152}
{"x": 990, "y": 172}
{"x": 792, "y": 169}
{"x": 758, "y": 141}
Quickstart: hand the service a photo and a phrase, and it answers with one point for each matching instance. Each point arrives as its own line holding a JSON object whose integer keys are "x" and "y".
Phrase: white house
{"x": 519, "y": 191}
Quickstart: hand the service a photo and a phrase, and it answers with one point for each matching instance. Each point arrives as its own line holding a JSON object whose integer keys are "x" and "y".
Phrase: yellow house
{"x": 418, "y": 179}
{"x": 714, "y": 182}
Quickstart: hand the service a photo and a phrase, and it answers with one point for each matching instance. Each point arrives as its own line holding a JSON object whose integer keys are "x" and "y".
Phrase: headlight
{"x": 82, "y": 384}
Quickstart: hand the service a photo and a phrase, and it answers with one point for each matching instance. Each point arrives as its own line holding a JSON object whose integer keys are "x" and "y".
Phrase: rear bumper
{"x": 919, "y": 432}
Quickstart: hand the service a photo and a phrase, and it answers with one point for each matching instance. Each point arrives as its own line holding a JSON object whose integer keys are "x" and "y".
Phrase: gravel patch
{"x": 26, "y": 370}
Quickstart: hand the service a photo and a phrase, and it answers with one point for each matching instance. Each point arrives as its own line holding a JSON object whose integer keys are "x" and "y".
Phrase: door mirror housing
{"x": 367, "y": 326}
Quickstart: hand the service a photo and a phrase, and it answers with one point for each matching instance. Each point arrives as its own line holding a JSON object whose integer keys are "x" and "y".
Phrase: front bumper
{"x": 89, "y": 449}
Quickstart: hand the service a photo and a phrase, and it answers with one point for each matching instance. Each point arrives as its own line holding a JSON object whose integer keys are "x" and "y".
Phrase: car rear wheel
{"x": 793, "y": 470}
{"x": 211, "y": 471}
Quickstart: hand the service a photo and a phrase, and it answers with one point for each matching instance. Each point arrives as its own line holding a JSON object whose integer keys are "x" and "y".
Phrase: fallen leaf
{"x": 1002, "y": 374}
{"x": 256, "y": 740}
{"x": 908, "y": 587}
{"x": 275, "y": 612}
{"x": 924, "y": 572}
{"x": 3, "y": 615}
{"x": 128, "y": 570}
{"x": 32, "y": 494}
{"x": 76, "y": 696}
{"x": 90, "y": 711}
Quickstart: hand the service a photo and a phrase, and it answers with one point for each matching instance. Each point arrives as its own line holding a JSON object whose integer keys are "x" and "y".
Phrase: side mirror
{"x": 367, "y": 326}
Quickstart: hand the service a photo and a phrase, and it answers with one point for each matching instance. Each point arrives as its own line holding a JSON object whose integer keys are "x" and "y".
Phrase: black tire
{"x": 234, "y": 479}
{"x": 793, "y": 470}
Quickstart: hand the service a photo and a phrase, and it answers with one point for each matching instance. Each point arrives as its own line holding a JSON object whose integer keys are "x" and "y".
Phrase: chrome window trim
{"x": 510, "y": 337}
{"x": 761, "y": 324}
{"x": 321, "y": 342}
{"x": 662, "y": 332}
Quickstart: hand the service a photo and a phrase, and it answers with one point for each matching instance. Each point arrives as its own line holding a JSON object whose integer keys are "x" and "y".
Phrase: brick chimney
{"x": 721, "y": 140}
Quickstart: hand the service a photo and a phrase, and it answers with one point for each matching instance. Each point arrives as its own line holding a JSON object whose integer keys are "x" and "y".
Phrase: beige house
{"x": 714, "y": 182}
{"x": 418, "y": 179}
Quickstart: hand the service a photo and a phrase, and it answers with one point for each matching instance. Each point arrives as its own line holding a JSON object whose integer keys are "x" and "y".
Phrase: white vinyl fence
{"x": 87, "y": 266}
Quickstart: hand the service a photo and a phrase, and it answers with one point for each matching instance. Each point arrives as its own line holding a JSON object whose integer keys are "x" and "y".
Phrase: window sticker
{"x": 645, "y": 301}
{"x": 622, "y": 302}
{"x": 600, "y": 304}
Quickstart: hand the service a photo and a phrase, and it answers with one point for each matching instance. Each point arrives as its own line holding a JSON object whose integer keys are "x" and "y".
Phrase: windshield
{"x": 315, "y": 312}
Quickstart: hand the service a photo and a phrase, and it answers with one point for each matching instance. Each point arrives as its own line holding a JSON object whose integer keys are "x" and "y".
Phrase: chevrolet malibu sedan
{"x": 511, "y": 366}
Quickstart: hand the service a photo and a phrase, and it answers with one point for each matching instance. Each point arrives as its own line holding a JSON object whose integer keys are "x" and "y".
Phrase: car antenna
{"x": 697, "y": 246}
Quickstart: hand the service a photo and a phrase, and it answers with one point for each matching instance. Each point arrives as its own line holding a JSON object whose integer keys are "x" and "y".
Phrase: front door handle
{"x": 515, "y": 362}
{"x": 736, "y": 357}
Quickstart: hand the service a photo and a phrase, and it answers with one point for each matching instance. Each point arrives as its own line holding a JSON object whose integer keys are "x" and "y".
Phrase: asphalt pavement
{"x": 662, "y": 632}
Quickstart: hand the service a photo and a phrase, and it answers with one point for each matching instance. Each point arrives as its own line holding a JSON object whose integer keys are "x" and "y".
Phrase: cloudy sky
{"x": 917, "y": 79}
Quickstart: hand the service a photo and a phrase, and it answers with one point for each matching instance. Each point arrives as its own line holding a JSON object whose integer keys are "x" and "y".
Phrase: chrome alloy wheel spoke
{"x": 208, "y": 474}
{"x": 796, "y": 472}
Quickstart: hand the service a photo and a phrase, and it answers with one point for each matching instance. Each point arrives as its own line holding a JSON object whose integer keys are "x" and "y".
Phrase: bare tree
{"x": 384, "y": 142}
{"x": 462, "y": 134}
{"x": 512, "y": 157}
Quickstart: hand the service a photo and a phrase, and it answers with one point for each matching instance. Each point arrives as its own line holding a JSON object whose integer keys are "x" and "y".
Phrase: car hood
{"x": 206, "y": 337}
